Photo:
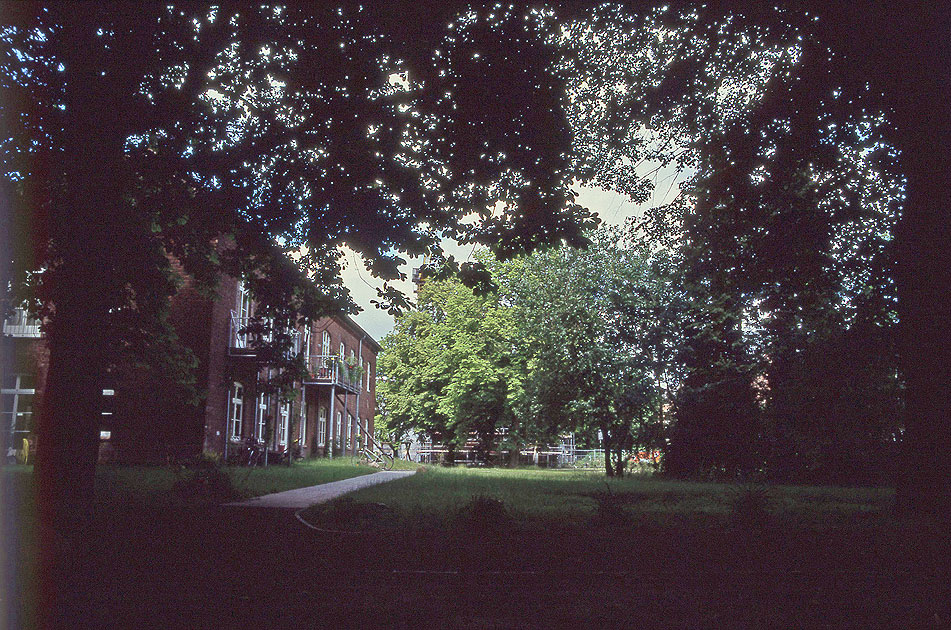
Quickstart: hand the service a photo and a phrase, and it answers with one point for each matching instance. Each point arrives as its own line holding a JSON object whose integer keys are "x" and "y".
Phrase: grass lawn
{"x": 577, "y": 549}
{"x": 138, "y": 484}
{"x": 545, "y": 497}
{"x": 499, "y": 548}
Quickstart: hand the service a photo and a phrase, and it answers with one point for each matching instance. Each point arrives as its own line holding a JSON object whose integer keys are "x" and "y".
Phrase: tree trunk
{"x": 924, "y": 485}
{"x": 918, "y": 84}
{"x": 86, "y": 222}
{"x": 608, "y": 467}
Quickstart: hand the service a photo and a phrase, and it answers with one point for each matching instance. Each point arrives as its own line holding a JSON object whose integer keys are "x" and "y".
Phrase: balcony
{"x": 329, "y": 369}
{"x": 243, "y": 343}
{"x": 20, "y": 324}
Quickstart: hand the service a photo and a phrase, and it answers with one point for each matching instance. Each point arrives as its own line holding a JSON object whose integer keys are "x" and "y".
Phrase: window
{"x": 108, "y": 405}
{"x": 322, "y": 426}
{"x": 244, "y": 301}
{"x": 283, "y": 423}
{"x": 236, "y": 410}
{"x": 302, "y": 426}
{"x": 305, "y": 340}
{"x": 339, "y": 428}
{"x": 368, "y": 376}
{"x": 325, "y": 344}
{"x": 18, "y": 395}
{"x": 343, "y": 351}
{"x": 261, "y": 417}
{"x": 241, "y": 316}
{"x": 349, "y": 430}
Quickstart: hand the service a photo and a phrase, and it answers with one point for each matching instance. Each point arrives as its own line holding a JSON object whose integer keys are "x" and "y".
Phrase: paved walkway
{"x": 305, "y": 497}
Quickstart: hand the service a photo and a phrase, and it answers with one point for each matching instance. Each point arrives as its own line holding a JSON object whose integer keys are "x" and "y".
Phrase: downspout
{"x": 266, "y": 424}
{"x": 330, "y": 418}
{"x": 343, "y": 442}
{"x": 359, "y": 389}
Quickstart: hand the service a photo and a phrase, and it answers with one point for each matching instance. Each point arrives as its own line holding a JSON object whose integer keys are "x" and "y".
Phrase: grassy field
{"x": 161, "y": 485}
{"x": 498, "y": 548}
{"x": 542, "y": 497}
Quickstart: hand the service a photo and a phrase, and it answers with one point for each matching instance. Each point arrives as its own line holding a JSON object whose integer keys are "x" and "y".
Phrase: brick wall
{"x": 152, "y": 422}
{"x": 343, "y": 330}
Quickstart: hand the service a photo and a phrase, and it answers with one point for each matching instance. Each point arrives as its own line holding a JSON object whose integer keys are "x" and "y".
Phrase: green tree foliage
{"x": 784, "y": 225}
{"x": 577, "y": 340}
{"x": 452, "y": 368}
{"x": 232, "y": 136}
{"x": 591, "y": 323}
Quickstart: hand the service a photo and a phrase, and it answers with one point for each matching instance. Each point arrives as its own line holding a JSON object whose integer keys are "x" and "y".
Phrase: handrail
{"x": 20, "y": 324}
{"x": 330, "y": 368}
{"x": 239, "y": 340}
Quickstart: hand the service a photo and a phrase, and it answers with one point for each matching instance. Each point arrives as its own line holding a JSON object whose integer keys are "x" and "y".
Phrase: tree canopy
{"x": 230, "y": 137}
{"x": 570, "y": 341}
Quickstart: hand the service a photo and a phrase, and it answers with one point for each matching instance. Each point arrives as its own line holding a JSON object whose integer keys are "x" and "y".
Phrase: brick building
{"x": 146, "y": 419}
{"x": 334, "y": 407}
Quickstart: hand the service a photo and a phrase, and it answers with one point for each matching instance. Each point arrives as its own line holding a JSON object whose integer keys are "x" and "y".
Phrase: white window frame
{"x": 339, "y": 427}
{"x": 260, "y": 416}
{"x": 243, "y": 307}
{"x": 325, "y": 344}
{"x": 305, "y": 341}
{"x": 108, "y": 393}
{"x": 302, "y": 427}
{"x": 17, "y": 391}
{"x": 235, "y": 411}
{"x": 322, "y": 426}
{"x": 284, "y": 413}
{"x": 343, "y": 351}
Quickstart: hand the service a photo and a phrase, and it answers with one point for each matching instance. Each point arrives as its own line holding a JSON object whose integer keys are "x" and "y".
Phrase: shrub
{"x": 484, "y": 515}
{"x": 610, "y": 513}
{"x": 750, "y": 505}
{"x": 204, "y": 479}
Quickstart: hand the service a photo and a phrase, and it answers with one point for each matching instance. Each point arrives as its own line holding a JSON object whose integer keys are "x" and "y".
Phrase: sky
{"x": 613, "y": 208}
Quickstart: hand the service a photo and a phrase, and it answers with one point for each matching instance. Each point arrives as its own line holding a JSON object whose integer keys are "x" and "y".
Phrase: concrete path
{"x": 305, "y": 497}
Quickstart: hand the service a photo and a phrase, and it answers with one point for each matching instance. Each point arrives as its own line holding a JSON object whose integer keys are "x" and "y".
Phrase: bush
{"x": 751, "y": 504}
{"x": 204, "y": 479}
{"x": 483, "y": 515}
{"x": 610, "y": 513}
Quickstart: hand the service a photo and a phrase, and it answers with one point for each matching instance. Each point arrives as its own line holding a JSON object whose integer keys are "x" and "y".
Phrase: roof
{"x": 355, "y": 328}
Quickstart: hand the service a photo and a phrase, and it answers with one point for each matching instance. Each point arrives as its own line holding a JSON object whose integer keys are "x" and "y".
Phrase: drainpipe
{"x": 330, "y": 418}
{"x": 360, "y": 388}
{"x": 343, "y": 442}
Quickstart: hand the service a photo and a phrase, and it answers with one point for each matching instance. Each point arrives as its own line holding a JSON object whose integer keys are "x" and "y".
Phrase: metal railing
{"x": 20, "y": 324}
{"x": 330, "y": 369}
{"x": 241, "y": 341}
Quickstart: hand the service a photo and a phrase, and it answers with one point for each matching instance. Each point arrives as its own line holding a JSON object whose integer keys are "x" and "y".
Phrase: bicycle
{"x": 255, "y": 453}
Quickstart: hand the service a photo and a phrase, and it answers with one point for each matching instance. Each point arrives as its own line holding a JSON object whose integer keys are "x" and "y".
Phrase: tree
{"x": 229, "y": 137}
{"x": 453, "y": 367}
{"x": 268, "y": 126}
{"x": 597, "y": 350}
{"x": 786, "y": 222}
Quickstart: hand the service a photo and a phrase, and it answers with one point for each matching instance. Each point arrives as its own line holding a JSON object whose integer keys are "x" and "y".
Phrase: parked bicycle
{"x": 255, "y": 453}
